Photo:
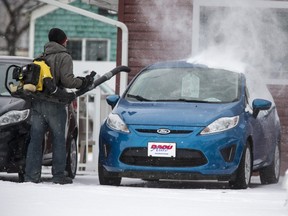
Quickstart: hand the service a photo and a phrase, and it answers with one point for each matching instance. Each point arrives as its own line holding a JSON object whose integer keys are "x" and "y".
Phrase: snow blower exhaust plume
{"x": 234, "y": 34}
{"x": 241, "y": 35}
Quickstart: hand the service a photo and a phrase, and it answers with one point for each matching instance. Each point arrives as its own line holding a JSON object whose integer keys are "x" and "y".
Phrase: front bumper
{"x": 13, "y": 146}
{"x": 156, "y": 175}
{"x": 207, "y": 157}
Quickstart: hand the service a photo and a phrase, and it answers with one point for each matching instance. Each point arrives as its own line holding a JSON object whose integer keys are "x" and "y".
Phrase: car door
{"x": 258, "y": 127}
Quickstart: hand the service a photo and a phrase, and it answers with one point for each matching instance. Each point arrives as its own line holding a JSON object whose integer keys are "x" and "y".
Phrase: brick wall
{"x": 279, "y": 93}
{"x": 150, "y": 38}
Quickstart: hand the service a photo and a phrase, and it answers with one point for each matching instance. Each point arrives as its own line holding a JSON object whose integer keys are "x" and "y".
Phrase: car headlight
{"x": 221, "y": 124}
{"x": 115, "y": 122}
{"x": 14, "y": 116}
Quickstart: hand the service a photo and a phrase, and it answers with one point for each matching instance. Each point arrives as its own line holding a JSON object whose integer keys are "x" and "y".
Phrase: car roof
{"x": 175, "y": 64}
{"x": 15, "y": 59}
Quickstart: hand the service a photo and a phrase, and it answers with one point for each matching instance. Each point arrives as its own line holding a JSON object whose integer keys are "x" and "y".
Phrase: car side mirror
{"x": 112, "y": 100}
{"x": 260, "y": 104}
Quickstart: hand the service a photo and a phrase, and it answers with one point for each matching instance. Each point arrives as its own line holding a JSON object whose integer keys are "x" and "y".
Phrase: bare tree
{"x": 15, "y": 22}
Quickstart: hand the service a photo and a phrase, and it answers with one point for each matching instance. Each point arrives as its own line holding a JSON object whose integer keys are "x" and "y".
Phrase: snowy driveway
{"x": 136, "y": 198}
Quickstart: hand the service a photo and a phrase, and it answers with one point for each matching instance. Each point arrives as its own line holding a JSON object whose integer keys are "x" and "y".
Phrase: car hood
{"x": 11, "y": 103}
{"x": 174, "y": 113}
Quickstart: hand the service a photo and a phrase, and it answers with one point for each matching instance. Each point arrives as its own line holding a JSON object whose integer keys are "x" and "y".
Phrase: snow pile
{"x": 136, "y": 197}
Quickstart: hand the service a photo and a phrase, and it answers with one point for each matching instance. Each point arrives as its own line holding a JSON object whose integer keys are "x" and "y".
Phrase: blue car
{"x": 184, "y": 121}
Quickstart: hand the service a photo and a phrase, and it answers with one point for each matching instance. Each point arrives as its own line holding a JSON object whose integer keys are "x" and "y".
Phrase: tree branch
{"x": 19, "y": 7}
{"x": 23, "y": 28}
{"x": 7, "y": 6}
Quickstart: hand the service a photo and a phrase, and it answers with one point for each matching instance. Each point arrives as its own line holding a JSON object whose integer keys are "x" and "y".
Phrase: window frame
{"x": 84, "y": 48}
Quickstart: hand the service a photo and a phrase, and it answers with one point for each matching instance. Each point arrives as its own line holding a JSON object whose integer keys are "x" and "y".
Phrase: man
{"x": 47, "y": 114}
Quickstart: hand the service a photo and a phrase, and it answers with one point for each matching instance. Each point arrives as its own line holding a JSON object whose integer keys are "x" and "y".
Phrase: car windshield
{"x": 204, "y": 85}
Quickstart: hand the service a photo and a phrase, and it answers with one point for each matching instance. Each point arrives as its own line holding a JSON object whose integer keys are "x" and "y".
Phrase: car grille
{"x": 171, "y": 131}
{"x": 184, "y": 158}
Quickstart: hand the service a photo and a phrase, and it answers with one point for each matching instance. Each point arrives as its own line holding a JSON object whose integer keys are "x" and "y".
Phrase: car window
{"x": 185, "y": 84}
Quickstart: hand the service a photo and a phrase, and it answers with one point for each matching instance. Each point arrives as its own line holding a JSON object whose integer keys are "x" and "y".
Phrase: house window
{"x": 89, "y": 49}
{"x": 75, "y": 49}
{"x": 96, "y": 50}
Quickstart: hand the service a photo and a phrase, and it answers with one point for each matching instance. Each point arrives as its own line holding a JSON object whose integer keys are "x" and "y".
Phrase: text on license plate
{"x": 158, "y": 149}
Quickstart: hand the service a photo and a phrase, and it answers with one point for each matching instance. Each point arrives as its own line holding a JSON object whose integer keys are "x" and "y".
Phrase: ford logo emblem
{"x": 163, "y": 131}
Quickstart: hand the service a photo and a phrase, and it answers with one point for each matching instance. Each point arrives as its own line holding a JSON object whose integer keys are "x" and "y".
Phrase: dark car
{"x": 15, "y": 126}
{"x": 185, "y": 121}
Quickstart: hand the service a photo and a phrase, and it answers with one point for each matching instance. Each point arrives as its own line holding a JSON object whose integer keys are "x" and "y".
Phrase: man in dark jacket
{"x": 47, "y": 114}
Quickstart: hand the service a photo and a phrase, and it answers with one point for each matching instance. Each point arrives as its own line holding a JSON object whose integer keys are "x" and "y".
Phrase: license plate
{"x": 158, "y": 149}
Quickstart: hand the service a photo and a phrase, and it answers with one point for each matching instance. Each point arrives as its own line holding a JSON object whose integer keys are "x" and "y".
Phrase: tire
{"x": 271, "y": 173}
{"x": 21, "y": 177}
{"x": 104, "y": 179}
{"x": 244, "y": 171}
{"x": 72, "y": 159}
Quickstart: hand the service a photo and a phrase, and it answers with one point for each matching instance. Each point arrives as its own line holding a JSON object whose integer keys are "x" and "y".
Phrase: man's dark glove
{"x": 71, "y": 96}
{"x": 87, "y": 81}
{"x": 68, "y": 98}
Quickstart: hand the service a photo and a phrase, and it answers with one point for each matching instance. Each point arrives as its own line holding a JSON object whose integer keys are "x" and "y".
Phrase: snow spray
{"x": 241, "y": 36}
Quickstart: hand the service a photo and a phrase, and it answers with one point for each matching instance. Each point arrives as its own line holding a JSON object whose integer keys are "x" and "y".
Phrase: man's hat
{"x": 57, "y": 35}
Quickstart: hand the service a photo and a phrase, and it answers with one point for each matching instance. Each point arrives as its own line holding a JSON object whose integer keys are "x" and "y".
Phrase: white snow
{"x": 226, "y": 59}
{"x": 136, "y": 197}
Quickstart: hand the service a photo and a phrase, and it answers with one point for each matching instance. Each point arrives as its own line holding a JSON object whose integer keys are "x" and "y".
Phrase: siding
{"x": 75, "y": 26}
{"x": 153, "y": 36}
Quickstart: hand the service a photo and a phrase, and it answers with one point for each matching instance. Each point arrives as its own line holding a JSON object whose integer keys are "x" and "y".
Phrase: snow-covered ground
{"x": 136, "y": 197}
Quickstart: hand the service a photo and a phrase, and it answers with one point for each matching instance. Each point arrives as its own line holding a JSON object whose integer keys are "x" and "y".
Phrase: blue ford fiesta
{"x": 184, "y": 121}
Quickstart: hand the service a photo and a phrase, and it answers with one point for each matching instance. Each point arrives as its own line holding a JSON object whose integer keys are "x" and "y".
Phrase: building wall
{"x": 151, "y": 38}
{"x": 280, "y": 96}
{"x": 156, "y": 36}
{"x": 75, "y": 26}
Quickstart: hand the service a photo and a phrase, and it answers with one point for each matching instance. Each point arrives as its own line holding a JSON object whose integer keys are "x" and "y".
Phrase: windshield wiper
{"x": 138, "y": 97}
{"x": 184, "y": 100}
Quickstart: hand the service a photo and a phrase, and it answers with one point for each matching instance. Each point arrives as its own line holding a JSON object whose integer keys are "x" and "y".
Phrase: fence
{"x": 92, "y": 109}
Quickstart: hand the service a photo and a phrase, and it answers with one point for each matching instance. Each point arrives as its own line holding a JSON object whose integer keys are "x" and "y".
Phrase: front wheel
{"x": 271, "y": 173}
{"x": 72, "y": 159}
{"x": 104, "y": 179}
{"x": 244, "y": 171}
